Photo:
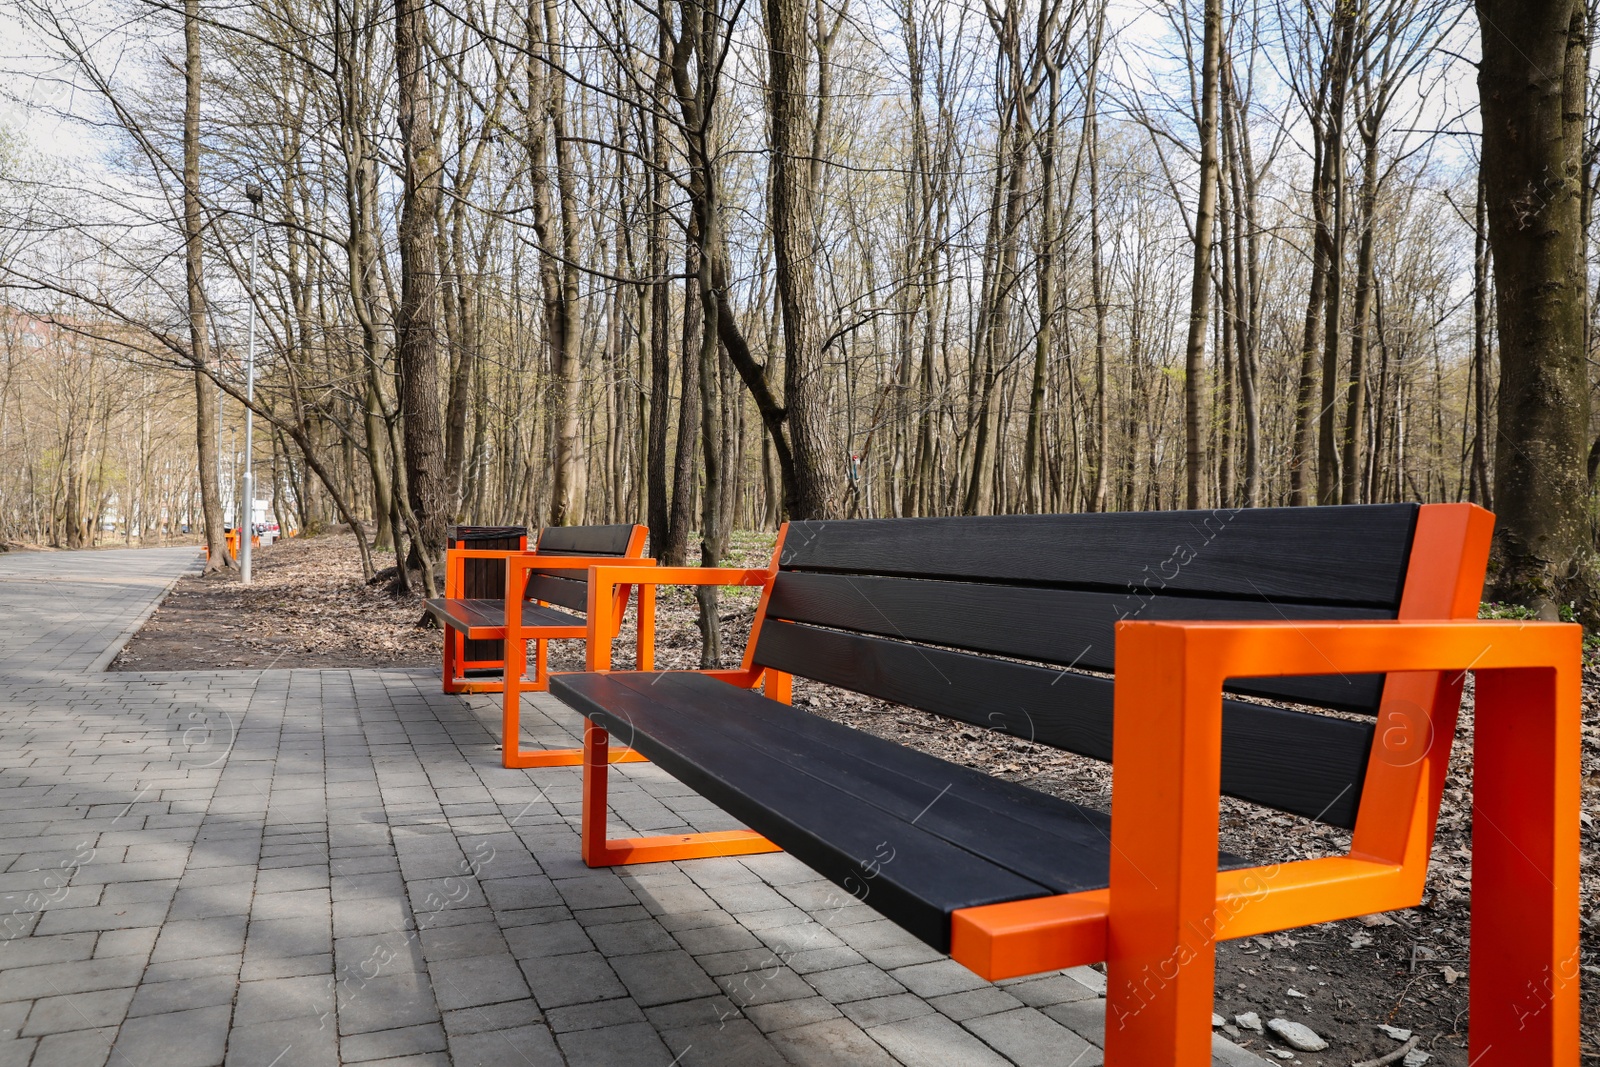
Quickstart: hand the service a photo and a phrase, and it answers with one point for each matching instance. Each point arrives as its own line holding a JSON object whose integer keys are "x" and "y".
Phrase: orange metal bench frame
{"x": 453, "y": 674}
{"x": 1157, "y": 925}
{"x": 513, "y": 681}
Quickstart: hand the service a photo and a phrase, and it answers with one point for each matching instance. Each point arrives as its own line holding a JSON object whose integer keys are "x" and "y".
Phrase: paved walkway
{"x": 299, "y": 868}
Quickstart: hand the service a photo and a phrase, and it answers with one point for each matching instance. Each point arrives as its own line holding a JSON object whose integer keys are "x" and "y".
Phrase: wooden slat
{"x": 1310, "y": 765}
{"x": 609, "y": 540}
{"x": 477, "y": 615}
{"x": 1054, "y": 625}
{"x": 559, "y": 588}
{"x": 1346, "y": 555}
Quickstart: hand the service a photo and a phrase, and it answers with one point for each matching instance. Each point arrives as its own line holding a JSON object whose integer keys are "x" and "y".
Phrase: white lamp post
{"x": 247, "y": 527}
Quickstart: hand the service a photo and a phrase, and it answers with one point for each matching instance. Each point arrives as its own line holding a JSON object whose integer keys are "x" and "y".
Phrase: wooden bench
{"x": 545, "y": 588}
{"x": 998, "y": 622}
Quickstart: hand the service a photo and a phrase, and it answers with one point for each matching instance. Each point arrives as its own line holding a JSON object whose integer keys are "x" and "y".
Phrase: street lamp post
{"x": 247, "y": 529}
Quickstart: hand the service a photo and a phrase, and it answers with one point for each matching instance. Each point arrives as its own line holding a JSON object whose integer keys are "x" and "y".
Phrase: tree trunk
{"x": 1344, "y": 25}
{"x": 1531, "y": 87}
{"x": 205, "y": 393}
{"x": 674, "y": 551}
{"x": 1196, "y": 409}
{"x": 417, "y": 344}
{"x": 568, "y": 485}
{"x": 1356, "y": 389}
{"x": 794, "y": 230}
{"x": 660, "y": 299}
{"x": 1479, "y": 492}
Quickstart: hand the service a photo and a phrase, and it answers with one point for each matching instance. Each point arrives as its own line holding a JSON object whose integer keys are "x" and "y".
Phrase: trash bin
{"x": 485, "y": 579}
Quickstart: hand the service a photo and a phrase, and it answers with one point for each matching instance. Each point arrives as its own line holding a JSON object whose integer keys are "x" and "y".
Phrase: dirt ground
{"x": 306, "y": 606}
{"x": 1406, "y": 970}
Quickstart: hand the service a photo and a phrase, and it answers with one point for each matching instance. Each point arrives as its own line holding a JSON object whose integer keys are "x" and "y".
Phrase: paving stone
{"x": 1086, "y": 1018}
{"x": 390, "y": 1044}
{"x": 860, "y": 982}
{"x": 941, "y": 977}
{"x": 62, "y": 948}
{"x": 286, "y": 939}
{"x": 175, "y": 970}
{"x": 195, "y": 1038}
{"x": 870, "y": 1013}
{"x": 731, "y": 1043}
{"x": 786, "y": 1014}
{"x": 831, "y": 1043}
{"x": 77, "y": 1011}
{"x": 25, "y": 983}
{"x": 628, "y": 1045}
{"x": 934, "y": 1041}
{"x": 629, "y": 938}
{"x": 524, "y": 1046}
{"x": 823, "y": 959}
{"x": 886, "y": 945}
{"x": 1028, "y": 1038}
{"x": 1225, "y": 1053}
{"x": 1043, "y": 992}
{"x": 765, "y": 986}
{"x": 987, "y": 1000}
{"x": 741, "y": 961}
{"x": 557, "y": 981}
{"x": 157, "y": 998}
{"x": 255, "y": 970}
{"x": 353, "y": 918}
{"x": 212, "y": 901}
{"x": 661, "y": 977}
{"x": 273, "y": 999}
{"x": 464, "y": 983}
{"x": 126, "y": 942}
{"x": 506, "y": 1016}
{"x": 457, "y": 942}
{"x": 385, "y": 1002}
{"x": 101, "y": 917}
{"x": 80, "y": 1048}
{"x": 305, "y": 904}
{"x": 283, "y": 1043}
{"x": 703, "y": 940}
{"x": 674, "y": 899}
{"x": 376, "y": 954}
{"x": 190, "y": 939}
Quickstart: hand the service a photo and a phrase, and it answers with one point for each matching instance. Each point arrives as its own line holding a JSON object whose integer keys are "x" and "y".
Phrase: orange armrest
{"x": 609, "y": 575}
{"x": 1221, "y": 650}
{"x": 533, "y": 561}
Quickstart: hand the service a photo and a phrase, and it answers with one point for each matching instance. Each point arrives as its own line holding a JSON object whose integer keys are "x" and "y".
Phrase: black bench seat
{"x": 477, "y": 619}
{"x": 917, "y": 836}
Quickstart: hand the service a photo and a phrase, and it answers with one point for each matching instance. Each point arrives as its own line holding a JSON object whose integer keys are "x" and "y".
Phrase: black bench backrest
{"x": 896, "y": 608}
{"x": 570, "y": 589}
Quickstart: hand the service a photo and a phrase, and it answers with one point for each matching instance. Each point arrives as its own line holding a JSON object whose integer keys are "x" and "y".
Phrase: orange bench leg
{"x": 1160, "y": 933}
{"x": 453, "y": 646}
{"x": 1525, "y": 897}
{"x": 512, "y": 754}
{"x": 601, "y": 851}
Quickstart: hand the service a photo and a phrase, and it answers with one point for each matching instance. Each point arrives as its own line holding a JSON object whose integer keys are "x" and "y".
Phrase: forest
{"x": 708, "y": 265}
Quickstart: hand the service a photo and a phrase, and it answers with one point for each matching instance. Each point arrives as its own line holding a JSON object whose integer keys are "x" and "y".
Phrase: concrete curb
{"x": 103, "y": 660}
